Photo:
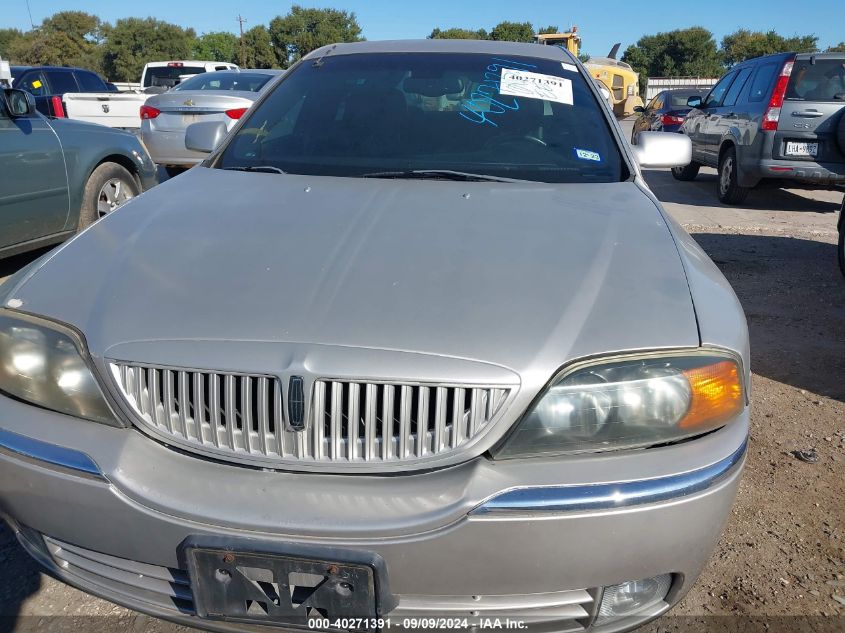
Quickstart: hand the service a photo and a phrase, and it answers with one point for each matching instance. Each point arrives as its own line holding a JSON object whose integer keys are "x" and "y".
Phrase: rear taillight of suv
{"x": 58, "y": 107}
{"x": 772, "y": 115}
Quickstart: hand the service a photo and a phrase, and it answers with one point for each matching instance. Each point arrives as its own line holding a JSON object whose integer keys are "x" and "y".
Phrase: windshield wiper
{"x": 267, "y": 169}
{"x": 439, "y": 174}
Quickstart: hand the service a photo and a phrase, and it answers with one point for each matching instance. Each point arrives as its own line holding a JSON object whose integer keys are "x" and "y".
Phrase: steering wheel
{"x": 510, "y": 138}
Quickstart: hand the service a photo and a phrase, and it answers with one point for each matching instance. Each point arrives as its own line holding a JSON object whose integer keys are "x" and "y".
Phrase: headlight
{"x": 630, "y": 403}
{"x": 44, "y": 363}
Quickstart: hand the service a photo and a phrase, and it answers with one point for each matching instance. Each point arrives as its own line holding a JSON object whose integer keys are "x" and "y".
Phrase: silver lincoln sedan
{"x": 415, "y": 347}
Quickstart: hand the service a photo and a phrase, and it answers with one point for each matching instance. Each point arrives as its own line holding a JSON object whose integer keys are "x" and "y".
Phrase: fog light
{"x": 633, "y": 597}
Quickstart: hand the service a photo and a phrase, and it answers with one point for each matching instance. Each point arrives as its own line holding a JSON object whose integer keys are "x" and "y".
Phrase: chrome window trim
{"x": 49, "y": 453}
{"x": 612, "y": 496}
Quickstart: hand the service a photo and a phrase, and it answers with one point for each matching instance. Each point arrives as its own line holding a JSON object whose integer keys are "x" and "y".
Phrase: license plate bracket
{"x": 287, "y": 585}
{"x": 801, "y": 148}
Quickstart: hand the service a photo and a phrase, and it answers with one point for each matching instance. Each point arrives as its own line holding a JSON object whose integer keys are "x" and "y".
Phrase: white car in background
{"x": 216, "y": 96}
{"x": 169, "y": 73}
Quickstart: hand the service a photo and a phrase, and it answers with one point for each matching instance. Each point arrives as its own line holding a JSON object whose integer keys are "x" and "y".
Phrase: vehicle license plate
{"x": 794, "y": 148}
{"x": 281, "y": 590}
{"x": 187, "y": 119}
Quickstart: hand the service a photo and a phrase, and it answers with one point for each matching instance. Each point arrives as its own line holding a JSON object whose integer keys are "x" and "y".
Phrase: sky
{"x": 600, "y": 23}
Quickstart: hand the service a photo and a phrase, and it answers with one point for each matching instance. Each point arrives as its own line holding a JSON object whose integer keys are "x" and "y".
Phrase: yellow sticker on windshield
{"x": 36, "y": 84}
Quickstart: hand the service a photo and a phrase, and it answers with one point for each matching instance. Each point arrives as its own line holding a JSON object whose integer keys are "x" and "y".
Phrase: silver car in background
{"x": 215, "y": 96}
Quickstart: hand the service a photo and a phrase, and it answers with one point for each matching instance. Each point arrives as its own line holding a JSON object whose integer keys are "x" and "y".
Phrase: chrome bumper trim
{"x": 549, "y": 499}
{"x": 49, "y": 453}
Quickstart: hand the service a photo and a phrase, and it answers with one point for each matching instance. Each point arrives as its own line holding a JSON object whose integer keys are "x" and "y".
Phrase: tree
{"x": 548, "y": 30}
{"x": 513, "y": 32}
{"x": 304, "y": 30}
{"x": 8, "y": 37}
{"x": 220, "y": 46}
{"x": 679, "y": 53}
{"x": 839, "y": 48}
{"x": 458, "y": 34}
{"x": 67, "y": 38}
{"x": 744, "y": 44}
{"x": 132, "y": 42}
{"x": 259, "y": 48}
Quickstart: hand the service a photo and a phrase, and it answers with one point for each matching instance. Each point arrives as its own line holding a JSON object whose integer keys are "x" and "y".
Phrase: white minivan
{"x": 168, "y": 74}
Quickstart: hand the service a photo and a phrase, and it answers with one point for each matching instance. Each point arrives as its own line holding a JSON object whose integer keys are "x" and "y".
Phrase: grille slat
{"x": 213, "y": 405}
{"x": 242, "y": 416}
{"x": 353, "y": 412}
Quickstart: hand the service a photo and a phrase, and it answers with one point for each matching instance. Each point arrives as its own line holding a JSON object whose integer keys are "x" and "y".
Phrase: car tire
{"x": 840, "y": 132}
{"x": 841, "y": 249}
{"x": 727, "y": 185}
{"x": 108, "y": 187}
{"x": 687, "y": 172}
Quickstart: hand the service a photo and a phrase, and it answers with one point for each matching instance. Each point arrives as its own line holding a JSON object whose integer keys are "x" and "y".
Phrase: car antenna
{"x": 319, "y": 61}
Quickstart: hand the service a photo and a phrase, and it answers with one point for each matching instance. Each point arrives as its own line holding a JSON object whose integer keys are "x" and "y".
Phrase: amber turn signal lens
{"x": 716, "y": 394}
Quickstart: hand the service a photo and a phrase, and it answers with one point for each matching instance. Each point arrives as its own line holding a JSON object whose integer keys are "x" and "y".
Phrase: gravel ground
{"x": 780, "y": 565}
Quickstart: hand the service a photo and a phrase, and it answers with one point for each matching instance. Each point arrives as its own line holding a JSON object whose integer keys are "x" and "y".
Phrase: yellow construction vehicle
{"x": 618, "y": 77}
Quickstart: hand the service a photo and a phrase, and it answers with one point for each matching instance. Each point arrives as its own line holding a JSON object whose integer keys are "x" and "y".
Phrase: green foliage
{"x": 513, "y": 32}
{"x": 220, "y": 46}
{"x": 744, "y": 44}
{"x": 258, "y": 48}
{"x": 8, "y": 37}
{"x": 679, "y": 53}
{"x": 546, "y": 30}
{"x": 67, "y": 38}
{"x": 132, "y": 42}
{"x": 458, "y": 34}
{"x": 839, "y": 48}
{"x": 303, "y": 30}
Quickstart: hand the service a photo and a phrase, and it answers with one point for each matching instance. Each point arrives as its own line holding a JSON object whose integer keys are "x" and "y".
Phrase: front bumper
{"x": 462, "y": 539}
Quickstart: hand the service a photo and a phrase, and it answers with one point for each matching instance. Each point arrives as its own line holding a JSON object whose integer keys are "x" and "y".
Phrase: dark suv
{"x": 775, "y": 117}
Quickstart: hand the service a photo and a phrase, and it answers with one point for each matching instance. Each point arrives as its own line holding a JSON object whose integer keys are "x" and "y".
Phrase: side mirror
{"x": 639, "y": 109}
{"x": 205, "y": 137}
{"x": 694, "y": 102}
{"x": 662, "y": 149}
{"x": 19, "y": 102}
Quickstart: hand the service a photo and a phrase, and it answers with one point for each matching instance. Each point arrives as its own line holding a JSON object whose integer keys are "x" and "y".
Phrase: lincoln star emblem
{"x": 189, "y": 102}
{"x": 296, "y": 403}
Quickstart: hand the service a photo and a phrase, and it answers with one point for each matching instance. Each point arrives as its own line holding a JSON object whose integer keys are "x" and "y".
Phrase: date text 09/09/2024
{"x": 416, "y": 623}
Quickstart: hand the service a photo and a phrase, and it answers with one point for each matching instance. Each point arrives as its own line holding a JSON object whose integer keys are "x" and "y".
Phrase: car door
{"x": 34, "y": 199}
{"x": 653, "y": 113}
{"x": 702, "y": 128}
{"x": 728, "y": 114}
{"x": 641, "y": 122}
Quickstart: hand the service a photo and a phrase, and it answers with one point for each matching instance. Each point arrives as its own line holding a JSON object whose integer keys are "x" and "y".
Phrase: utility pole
{"x": 241, "y": 21}
{"x": 28, "y": 10}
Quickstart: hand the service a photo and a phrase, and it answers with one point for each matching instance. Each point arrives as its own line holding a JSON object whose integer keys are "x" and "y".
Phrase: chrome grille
{"x": 241, "y": 415}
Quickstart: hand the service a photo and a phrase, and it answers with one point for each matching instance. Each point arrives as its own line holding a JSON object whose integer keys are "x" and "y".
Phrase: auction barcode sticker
{"x": 521, "y": 83}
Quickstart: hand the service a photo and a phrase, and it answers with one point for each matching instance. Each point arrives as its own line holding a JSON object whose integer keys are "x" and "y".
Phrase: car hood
{"x": 520, "y": 276}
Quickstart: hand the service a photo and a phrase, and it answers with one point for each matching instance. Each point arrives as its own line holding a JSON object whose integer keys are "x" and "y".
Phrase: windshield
{"x": 229, "y": 80}
{"x": 679, "y": 99}
{"x": 370, "y": 114}
{"x": 168, "y": 76}
{"x": 822, "y": 81}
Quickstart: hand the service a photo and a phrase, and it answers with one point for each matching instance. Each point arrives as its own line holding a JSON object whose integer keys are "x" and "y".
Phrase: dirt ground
{"x": 780, "y": 565}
